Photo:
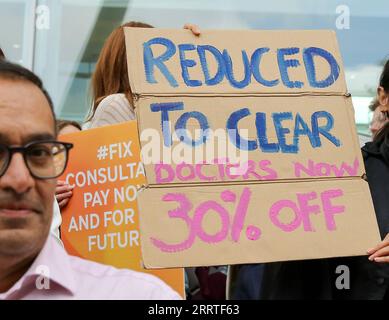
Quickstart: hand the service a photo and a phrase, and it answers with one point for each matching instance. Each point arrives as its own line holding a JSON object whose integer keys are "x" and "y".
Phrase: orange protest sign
{"x": 101, "y": 221}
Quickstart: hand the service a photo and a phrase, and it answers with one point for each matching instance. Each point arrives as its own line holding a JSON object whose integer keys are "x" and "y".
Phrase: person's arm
{"x": 380, "y": 253}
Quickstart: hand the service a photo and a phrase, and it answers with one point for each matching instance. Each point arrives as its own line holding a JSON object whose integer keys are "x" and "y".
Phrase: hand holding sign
{"x": 380, "y": 253}
{"x": 194, "y": 28}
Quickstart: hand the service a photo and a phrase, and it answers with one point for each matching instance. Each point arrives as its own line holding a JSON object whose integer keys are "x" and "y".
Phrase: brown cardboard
{"x": 234, "y": 42}
{"x": 356, "y": 228}
{"x": 318, "y": 160}
{"x": 163, "y": 218}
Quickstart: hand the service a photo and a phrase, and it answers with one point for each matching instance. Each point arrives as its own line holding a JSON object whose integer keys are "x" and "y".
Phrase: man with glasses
{"x": 33, "y": 265}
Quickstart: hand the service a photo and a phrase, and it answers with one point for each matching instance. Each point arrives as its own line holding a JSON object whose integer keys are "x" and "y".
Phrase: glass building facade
{"x": 60, "y": 40}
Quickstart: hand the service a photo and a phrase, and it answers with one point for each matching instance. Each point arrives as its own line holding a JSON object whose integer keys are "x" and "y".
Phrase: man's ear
{"x": 383, "y": 97}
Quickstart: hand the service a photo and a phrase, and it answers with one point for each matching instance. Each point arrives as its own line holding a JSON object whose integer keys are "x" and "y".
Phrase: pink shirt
{"x": 57, "y": 275}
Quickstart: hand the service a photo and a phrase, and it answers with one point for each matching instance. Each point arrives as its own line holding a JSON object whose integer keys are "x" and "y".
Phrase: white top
{"x": 113, "y": 109}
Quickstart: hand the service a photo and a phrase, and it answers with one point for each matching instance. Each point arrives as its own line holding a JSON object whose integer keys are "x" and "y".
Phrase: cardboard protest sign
{"x": 312, "y": 148}
{"x": 231, "y": 62}
{"x": 293, "y": 192}
{"x": 255, "y": 222}
{"x": 101, "y": 221}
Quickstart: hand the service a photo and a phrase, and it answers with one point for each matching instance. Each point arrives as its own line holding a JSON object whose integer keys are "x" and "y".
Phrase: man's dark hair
{"x": 13, "y": 71}
{"x": 2, "y": 55}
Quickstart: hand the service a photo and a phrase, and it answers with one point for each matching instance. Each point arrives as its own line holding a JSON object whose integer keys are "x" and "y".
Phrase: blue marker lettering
{"x": 187, "y": 63}
{"x": 221, "y": 70}
{"x": 323, "y": 130}
{"x": 308, "y": 55}
{"x": 230, "y": 72}
{"x": 301, "y": 128}
{"x": 165, "y": 108}
{"x": 284, "y": 65}
{"x": 181, "y": 130}
{"x": 232, "y": 128}
{"x": 281, "y": 131}
{"x": 255, "y": 68}
{"x": 260, "y": 123}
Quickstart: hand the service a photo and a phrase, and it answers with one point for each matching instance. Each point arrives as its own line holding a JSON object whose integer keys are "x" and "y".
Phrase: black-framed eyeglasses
{"x": 44, "y": 159}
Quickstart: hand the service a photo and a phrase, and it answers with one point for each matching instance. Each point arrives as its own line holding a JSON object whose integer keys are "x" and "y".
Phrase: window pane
{"x": 17, "y": 30}
{"x": 66, "y": 53}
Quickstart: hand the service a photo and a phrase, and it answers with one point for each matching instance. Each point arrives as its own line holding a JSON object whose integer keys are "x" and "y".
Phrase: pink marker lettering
{"x": 323, "y": 169}
{"x": 230, "y": 167}
{"x": 299, "y": 167}
{"x": 329, "y": 209}
{"x": 180, "y": 175}
{"x": 241, "y": 170}
{"x": 182, "y": 213}
{"x": 201, "y": 211}
{"x": 220, "y": 163}
{"x": 351, "y": 171}
{"x": 306, "y": 209}
{"x": 228, "y": 196}
{"x": 272, "y": 174}
{"x": 200, "y": 174}
{"x": 158, "y": 168}
{"x": 253, "y": 233}
{"x": 251, "y": 170}
{"x": 275, "y": 211}
{"x": 240, "y": 214}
